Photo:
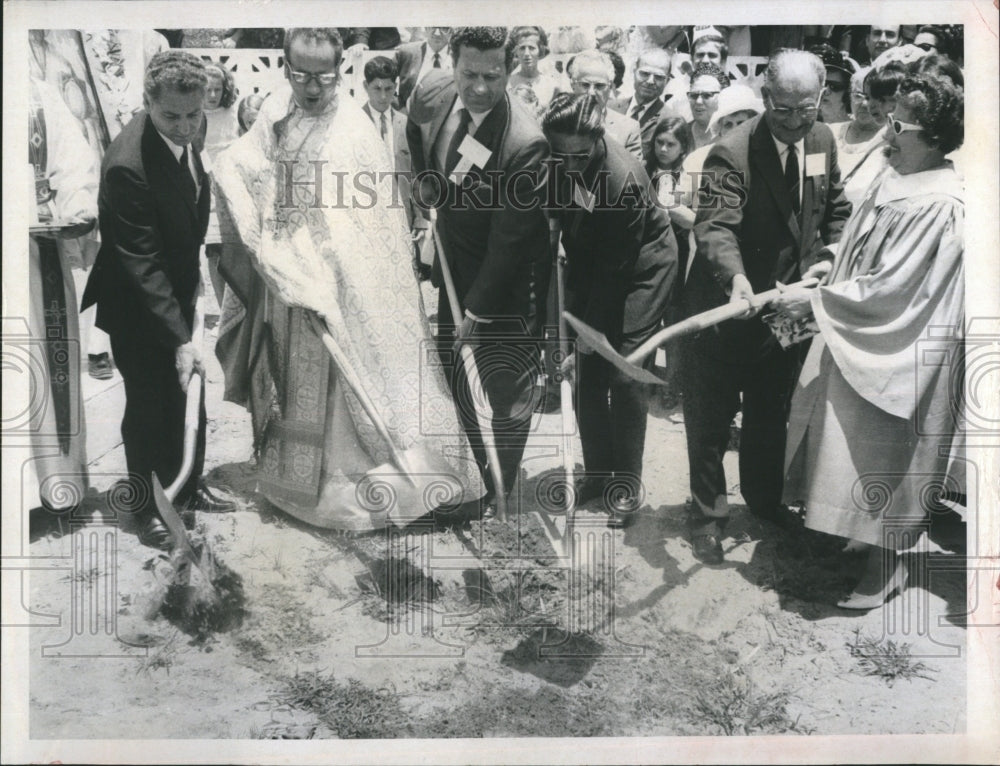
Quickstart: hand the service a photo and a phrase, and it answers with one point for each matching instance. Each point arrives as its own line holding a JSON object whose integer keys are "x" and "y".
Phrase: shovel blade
{"x": 600, "y": 345}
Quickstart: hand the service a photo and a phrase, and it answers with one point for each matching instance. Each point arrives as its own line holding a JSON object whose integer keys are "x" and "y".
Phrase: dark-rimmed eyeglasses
{"x": 325, "y": 79}
{"x": 702, "y": 95}
{"x": 565, "y": 156}
{"x": 927, "y": 47}
{"x": 898, "y": 126}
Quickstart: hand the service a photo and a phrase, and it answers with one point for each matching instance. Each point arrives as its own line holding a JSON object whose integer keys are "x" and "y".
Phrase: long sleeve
{"x": 72, "y": 162}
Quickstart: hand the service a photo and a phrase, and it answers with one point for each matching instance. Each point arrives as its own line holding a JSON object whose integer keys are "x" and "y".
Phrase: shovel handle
{"x": 707, "y": 319}
{"x": 191, "y": 411}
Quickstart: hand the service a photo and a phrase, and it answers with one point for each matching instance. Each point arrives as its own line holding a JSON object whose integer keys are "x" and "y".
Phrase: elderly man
{"x": 154, "y": 203}
{"x": 772, "y": 204}
{"x": 416, "y": 60}
{"x": 495, "y": 240}
{"x": 646, "y": 106}
{"x": 592, "y": 72}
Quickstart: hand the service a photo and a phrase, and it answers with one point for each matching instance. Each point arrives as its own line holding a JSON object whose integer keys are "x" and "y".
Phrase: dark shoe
{"x": 424, "y": 272}
{"x": 153, "y": 533}
{"x": 707, "y": 548}
{"x": 623, "y": 512}
{"x": 588, "y": 488}
{"x": 99, "y": 366}
{"x": 203, "y": 500}
{"x": 778, "y": 515}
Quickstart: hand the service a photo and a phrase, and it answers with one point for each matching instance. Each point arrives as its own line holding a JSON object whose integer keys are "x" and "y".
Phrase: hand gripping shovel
{"x": 418, "y": 478}
{"x": 630, "y": 364}
{"x": 472, "y": 374}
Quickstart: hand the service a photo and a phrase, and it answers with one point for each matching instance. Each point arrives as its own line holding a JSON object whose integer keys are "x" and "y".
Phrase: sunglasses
{"x": 898, "y": 126}
{"x": 836, "y": 87}
{"x": 303, "y": 78}
{"x": 927, "y": 47}
{"x": 696, "y": 95}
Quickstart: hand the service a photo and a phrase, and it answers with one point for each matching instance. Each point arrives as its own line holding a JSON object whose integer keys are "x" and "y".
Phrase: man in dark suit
{"x": 647, "y": 104}
{"x": 153, "y": 205}
{"x": 494, "y": 237}
{"x": 592, "y": 72}
{"x": 622, "y": 261}
{"x": 380, "y": 85}
{"x": 417, "y": 59}
{"x": 772, "y": 205}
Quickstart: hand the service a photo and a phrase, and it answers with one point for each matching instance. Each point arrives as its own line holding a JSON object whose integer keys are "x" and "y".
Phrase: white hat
{"x": 735, "y": 98}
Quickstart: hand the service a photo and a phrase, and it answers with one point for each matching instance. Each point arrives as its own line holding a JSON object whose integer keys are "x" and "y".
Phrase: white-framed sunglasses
{"x": 898, "y": 126}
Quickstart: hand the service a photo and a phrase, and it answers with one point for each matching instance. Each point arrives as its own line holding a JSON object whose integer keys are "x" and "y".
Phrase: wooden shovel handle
{"x": 191, "y": 412}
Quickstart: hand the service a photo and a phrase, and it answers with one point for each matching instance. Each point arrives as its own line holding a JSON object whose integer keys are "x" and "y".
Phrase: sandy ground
{"x": 451, "y": 632}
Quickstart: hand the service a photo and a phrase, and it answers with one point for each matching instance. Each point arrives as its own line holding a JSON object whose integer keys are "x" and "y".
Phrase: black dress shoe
{"x": 203, "y": 500}
{"x": 153, "y": 533}
{"x": 623, "y": 512}
{"x": 707, "y": 548}
{"x": 588, "y": 487}
{"x": 779, "y": 515}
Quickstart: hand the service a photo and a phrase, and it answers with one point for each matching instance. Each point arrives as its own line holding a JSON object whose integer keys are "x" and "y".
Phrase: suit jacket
{"x": 146, "y": 275}
{"x": 376, "y": 38}
{"x": 495, "y": 248}
{"x": 625, "y": 131}
{"x": 622, "y": 256}
{"x": 401, "y": 165}
{"x": 745, "y": 224}
{"x": 409, "y": 58}
{"x": 647, "y": 121}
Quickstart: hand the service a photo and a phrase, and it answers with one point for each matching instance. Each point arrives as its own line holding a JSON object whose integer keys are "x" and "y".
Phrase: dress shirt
{"x": 428, "y": 64}
{"x": 177, "y": 151}
{"x": 800, "y": 146}
{"x": 632, "y": 104}
{"x": 450, "y": 126}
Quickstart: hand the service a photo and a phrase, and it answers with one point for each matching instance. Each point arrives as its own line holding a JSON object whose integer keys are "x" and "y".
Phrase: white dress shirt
{"x": 428, "y": 64}
{"x": 800, "y": 147}
{"x": 451, "y": 126}
{"x": 177, "y": 151}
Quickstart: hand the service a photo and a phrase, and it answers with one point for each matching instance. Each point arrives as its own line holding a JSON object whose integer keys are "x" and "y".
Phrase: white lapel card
{"x": 815, "y": 165}
{"x": 471, "y": 154}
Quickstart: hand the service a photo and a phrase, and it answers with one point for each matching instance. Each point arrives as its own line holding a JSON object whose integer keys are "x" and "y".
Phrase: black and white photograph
{"x": 500, "y": 392}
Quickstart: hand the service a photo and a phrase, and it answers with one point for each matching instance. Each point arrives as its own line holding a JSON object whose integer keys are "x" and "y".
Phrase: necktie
{"x": 385, "y": 129}
{"x": 186, "y": 177}
{"x": 451, "y": 158}
{"x": 636, "y": 112}
{"x": 437, "y": 61}
{"x": 792, "y": 177}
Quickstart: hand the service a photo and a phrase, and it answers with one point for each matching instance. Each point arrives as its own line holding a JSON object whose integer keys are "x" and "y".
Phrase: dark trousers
{"x": 153, "y": 426}
{"x": 611, "y": 412}
{"x": 711, "y": 388}
{"x": 507, "y": 358}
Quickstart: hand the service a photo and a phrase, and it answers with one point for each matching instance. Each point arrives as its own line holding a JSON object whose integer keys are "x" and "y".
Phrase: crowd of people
{"x": 672, "y": 184}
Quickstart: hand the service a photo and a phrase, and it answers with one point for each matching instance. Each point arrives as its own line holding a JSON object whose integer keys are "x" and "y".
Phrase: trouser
{"x": 153, "y": 425}
{"x": 712, "y": 388}
{"x": 507, "y": 358}
{"x": 611, "y": 412}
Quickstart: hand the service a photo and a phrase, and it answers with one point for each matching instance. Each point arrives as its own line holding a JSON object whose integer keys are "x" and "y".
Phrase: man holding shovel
{"x": 487, "y": 153}
{"x": 153, "y": 205}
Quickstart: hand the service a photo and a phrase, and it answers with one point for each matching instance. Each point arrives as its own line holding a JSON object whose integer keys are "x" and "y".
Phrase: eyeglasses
{"x": 836, "y": 87}
{"x": 564, "y": 156}
{"x": 860, "y": 95}
{"x": 803, "y": 112}
{"x": 696, "y": 95}
{"x": 898, "y": 126}
{"x": 927, "y": 47}
{"x": 597, "y": 87}
{"x": 650, "y": 74}
{"x": 325, "y": 79}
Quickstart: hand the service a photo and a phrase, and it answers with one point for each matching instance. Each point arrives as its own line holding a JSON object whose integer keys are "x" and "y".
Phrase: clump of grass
{"x": 161, "y": 659}
{"x": 734, "y": 705}
{"x": 351, "y": 709}
{"x": 886, "y": 659}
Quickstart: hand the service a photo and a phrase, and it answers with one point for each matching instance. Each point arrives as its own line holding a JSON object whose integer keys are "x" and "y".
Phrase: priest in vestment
{"x": 328, "y": 240}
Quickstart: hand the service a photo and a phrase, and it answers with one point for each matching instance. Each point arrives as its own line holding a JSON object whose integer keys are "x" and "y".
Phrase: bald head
{"x": 792, "y": 90}
{"x": 795, "y": 70}
{"x": 652, "y": 70}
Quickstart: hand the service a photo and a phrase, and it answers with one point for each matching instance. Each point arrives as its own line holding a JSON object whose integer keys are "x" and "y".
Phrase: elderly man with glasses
{"x": 772, "y": 204}
{"x": 649, "y": 102}
{"x": 592, "y": 72}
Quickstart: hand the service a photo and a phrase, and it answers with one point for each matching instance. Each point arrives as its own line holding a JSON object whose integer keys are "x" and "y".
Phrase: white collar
{"x": 632, "y": 104}
{"x": 176, "y": 150}
{"x": 782, "y": 147}
{"x": 943, "y": 179}
{"x": 477, "y": 117}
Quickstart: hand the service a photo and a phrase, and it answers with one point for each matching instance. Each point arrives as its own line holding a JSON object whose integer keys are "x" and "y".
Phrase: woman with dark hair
{"x": 872, "y": 430}
{"x": 530, "y": 45}
{"x": 622, "y": 260}
{"x": 881, "y": 84}
{"x": 707, "y": 81}
{"x": 859, "y": 141}
{"x": 835, "y": 104}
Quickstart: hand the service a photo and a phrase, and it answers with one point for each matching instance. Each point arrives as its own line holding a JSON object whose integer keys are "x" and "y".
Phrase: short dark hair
{"x": 229, "y": 90}
{"x": 883, "y": 82}
{"x": 938, "y": 106}
{"x": 519, "y": 33}
{"x": 482, "y": 39}
{"x": 708, "y": 69}
{"x": 381, "y": 68}
{"x": 619, "y": 64}
{"x": 315, "y": 35}
{"x": 174, "y": 70}
{"x": 572, "y": 114}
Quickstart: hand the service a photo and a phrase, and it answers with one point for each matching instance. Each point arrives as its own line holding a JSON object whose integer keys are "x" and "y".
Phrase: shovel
{"x": 472, "y": 374}
{"x": 417, "y": 476}
{"x": 630, "y": 364}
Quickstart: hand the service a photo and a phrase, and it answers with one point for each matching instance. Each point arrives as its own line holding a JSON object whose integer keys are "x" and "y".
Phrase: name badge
{"x": 815, "y": 165}
{"x": 471, "y": 154}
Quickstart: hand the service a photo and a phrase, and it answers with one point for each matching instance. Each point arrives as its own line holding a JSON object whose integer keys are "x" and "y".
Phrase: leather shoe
{"x": 779, "y": 515}
{"x": 623, "y": 512}
{"x": 588, "y": 487}
{"x": 707, "y": 548}
{"x": 153, "y": 533}
{"x": 203, "y": 500}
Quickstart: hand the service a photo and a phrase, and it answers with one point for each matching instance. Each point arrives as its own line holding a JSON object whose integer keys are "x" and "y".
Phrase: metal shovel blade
{"x": 600, "y": 344}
